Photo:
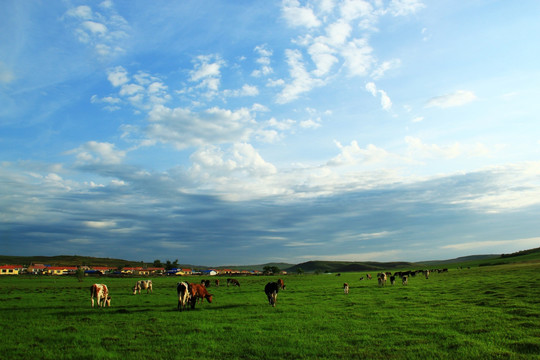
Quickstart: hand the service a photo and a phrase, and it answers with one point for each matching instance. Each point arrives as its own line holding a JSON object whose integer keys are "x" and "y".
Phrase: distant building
{"x": 11, "y": 269}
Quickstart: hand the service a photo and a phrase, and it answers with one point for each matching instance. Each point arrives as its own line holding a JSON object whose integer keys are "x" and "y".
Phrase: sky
{"x": 242, "y": 132}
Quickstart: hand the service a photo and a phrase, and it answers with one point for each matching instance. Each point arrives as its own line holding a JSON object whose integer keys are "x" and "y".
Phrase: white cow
{"x": 142, "y": 285}
{"x": 346, "y": 288}
{"x": 182, "y": 288}
{"x": 101, "y": 293}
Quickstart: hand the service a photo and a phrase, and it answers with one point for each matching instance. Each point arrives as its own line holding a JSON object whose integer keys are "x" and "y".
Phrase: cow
{"x": 368, "y": 276}
{"x": 281, "y": 284}
{"x": 205, "y": 283}
{"x": 182, "y": 289}
{"x": 426, "y": 273}
{"x": 362, "y": 278}
{"x": 404, "y": 280}
{"x": 271, "y": 290}
{"x": 197, "y": 291}
{"x": 233, "y": 282}
{"x": 346, "y": 288}
{"x": 143, "y": 285}
{"x": 217, "y": 282}
{"x": 392, "y": 280}
{"x": 381, "y": 277}
{"x": 101, "y": 293}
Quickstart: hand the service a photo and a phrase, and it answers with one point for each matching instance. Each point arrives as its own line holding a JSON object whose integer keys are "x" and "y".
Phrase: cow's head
{"x": 209, "y": 297}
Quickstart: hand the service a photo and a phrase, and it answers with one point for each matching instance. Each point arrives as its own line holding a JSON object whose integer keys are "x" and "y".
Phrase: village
{"x": 42, "y": 269}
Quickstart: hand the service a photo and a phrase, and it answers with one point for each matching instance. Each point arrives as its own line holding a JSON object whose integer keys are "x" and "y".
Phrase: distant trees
{"x": 271, "y": 270}
{"x": 170, "y": 266}
{"x": 157, "y": 263}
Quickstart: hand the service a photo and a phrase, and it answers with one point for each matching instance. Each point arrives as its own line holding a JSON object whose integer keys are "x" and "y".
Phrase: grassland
{"x": 488, "y": 312}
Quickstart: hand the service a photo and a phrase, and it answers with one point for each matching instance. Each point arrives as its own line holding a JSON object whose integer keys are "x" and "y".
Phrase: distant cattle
{"x": 143, "y": 285}
{"x": 205, "y": 283}
{"x": 182, "y": 289}
{"x": 217, "y": 282}
{"x": 281, "y": 284}
{"x": 426, "y": 273}
{"x": 346, "y": 288}
{"x": 101, "y": 293}
{"x": 392, "y": 280}
{"x": 233, "y": 282}
{"x": 368, "y": 276}
{"x": 271, "y": 290}
{"x": 362, "y": 278}
{"x": 197, "y": 291}
{"x": 404, "y": 280}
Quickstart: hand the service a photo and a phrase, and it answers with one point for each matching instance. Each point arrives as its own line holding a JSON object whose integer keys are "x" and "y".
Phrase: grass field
{"x": 485, "y": 312}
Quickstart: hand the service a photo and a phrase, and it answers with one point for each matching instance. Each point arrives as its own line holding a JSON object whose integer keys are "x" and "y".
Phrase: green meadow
{"x": 488, "y": 312}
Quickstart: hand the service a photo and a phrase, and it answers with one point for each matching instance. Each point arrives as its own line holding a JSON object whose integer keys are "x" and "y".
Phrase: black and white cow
{"x": 182, "y": 289}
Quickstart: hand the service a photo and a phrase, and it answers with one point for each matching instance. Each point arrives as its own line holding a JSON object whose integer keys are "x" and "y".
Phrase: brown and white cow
{"x": 198, "y": 291}
{"x": 233, "y": 282}
{"x": 346, "y": 288}
{"x": 143, "y": 285}
{"x": 271, "y": 290}
{"x": 281, "y": 284}
{"x": 182, "y": 289}
{"x": 101, "y": 293}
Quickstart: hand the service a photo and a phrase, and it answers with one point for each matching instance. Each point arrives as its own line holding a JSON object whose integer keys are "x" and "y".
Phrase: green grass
{"x": 490, "y": 312}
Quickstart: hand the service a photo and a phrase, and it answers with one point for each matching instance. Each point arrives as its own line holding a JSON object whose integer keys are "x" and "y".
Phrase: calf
{"x": 404, "y": 280}
{"x": 143, "y": 285}
{"x": 381, "y": 277}
{"x": 368, "y": 276}
{"x": 233, "y": 282}
{"x": 346, "y": 288}
{"x": 271, "y": 290}
{"x": 101, "y": 293}
{"x": 182, "y": 289}
{"x": 205, "y": 283}
{"x": 198, "y": 291}
{"x": 281, "y": 284}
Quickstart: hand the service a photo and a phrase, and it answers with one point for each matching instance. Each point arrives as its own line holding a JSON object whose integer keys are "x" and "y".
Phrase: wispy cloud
{"x": 458, "y": 98}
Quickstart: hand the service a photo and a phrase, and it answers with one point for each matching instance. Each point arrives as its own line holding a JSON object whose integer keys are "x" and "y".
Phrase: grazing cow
{"x": 281, "y": 284}
{"x": 346, "y": 288}
{"x": 233, "y": 282}
{"x": 205, "y": 283}
{"x": 182, "y": 289}
{"x": 381, "y": 277}
{"x": 426, "y": 273}
{"x": 392, "y": 280}
{"x": 197, "y": 291}
{"x": 143, "y": 285}
{"x": 362, "y": 278}
{"x": 271, "y": 290}
{"x": 368, "y": 276}
{"x": 217, "y": 282}
{"x": 101, "y": 293}
{"x": 404, "y": 280}
{"x": 338, "y": 274}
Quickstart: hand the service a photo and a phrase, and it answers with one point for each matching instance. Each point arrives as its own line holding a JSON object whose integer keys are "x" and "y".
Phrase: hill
{"x": 347, "y": 266}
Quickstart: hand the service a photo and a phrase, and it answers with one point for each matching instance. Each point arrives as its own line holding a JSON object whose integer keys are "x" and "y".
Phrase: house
{"x": 11, "y": 269}
{"x": 156, "y": 270}
{"x": 60, "y": 270}
{"x": 36, "y": 269}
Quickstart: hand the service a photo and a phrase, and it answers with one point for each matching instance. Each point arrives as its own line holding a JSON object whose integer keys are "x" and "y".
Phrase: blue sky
{"x": 223, "y": 133}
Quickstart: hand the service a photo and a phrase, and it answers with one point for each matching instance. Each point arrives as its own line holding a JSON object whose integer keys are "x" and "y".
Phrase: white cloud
{"x": 184, "y": 128}
{"x": 94, "y": 152}
{"x": 418, "y": 149}
{"x": 99, "y": 224}
{"x": 301, "y": 80}
{"x": 384, "y": 67}
{"x": 386, "y": 103}
{"x": 246, "y": 90}
{"x": 459, "y": 98}
{"x": 358, "y": 57}
{"x": 117, "y": 76}
{"x": 352, "y": 154}
{"x": 490, "y": 244}
{"x": 296, "y": 15}
{"x": 405, "y": 7}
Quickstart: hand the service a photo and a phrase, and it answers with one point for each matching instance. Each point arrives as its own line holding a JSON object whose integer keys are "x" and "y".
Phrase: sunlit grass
{"x": 485, "y": 312}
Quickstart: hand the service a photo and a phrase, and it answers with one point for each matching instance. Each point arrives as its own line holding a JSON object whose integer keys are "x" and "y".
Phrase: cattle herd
{"x": 192, "y": 293}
